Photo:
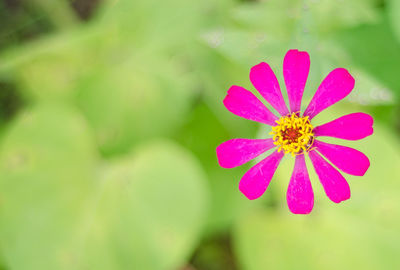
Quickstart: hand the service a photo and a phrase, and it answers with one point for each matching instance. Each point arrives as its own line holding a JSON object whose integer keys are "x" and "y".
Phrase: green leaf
{"x": 277, "y": 18}
{"x": 47, "y": 162}
{"x": 59, "y": 12}
{"x": 50, "y": 68}
{"x": 280, "y": 18}
{"x": 369, "y": 88}
{"x": 393, "y": 7}
{"x": 329, "y": 16}
{"x": 154, "y": 24}
{"x": 135, "y": 100}
{"x": 375, "y": 50}
{"x": 245, "y": 47}
{"x": 150, "y": 212}
{"x": 62, "y": 209}
{"x": 126, "y": 95}
{"x": 267, "y": 240}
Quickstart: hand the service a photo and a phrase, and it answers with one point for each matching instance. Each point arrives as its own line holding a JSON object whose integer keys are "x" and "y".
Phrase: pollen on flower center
{"x": 293, "y": 134}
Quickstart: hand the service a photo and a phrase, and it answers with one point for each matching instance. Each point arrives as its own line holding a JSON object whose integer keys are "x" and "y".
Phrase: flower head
{"x": 293, "y": 133}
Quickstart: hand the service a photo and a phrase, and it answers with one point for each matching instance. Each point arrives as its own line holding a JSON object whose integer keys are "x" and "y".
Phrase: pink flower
{"x": 294, "y": 134}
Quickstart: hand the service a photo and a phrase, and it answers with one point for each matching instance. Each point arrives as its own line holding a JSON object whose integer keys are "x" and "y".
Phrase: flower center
{"x": 293, "y": 134}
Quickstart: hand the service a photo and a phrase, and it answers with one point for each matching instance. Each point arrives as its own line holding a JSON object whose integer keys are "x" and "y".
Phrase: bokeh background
{"x": 111, "y": 110}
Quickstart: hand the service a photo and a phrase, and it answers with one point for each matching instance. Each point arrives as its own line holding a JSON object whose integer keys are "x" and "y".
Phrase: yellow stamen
{"x": 293, "y": 134}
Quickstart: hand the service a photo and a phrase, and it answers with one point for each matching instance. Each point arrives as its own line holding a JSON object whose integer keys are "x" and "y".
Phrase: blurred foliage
{"x": 110, "y": 113}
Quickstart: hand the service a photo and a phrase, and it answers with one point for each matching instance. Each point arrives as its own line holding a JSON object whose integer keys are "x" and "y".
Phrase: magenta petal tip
{"x": 256, "y": 180}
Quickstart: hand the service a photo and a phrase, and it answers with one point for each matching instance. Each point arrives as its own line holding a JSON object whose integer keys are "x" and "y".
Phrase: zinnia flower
{"x": 294, "y": 134}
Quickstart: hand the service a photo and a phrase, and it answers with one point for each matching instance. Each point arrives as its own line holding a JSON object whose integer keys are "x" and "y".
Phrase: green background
{"x": 111, "y": 110}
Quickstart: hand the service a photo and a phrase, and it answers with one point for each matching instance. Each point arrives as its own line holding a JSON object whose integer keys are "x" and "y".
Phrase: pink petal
{"x": 256, "y": 180}
{"x": 336, "y": 187}
{"x": 346, "y": 159}
{"x": 296, "y": 66}
{"x": 353, "y": 126}
{"x": 300, "y": 195}
{"x": 245, "y": 104}
{"x": 264, "y": 80}
{"x": 236, "y": 152}
{"x": 336, "y": 86}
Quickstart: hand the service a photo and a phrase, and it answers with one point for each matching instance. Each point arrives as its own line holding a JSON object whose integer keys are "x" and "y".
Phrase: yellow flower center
{"x": 293, "y": 134}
